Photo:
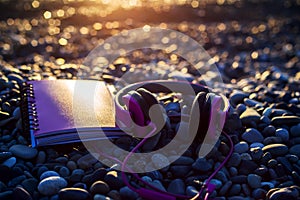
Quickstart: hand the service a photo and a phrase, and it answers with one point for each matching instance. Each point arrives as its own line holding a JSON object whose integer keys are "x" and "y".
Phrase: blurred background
{"x": 241, "y": 36}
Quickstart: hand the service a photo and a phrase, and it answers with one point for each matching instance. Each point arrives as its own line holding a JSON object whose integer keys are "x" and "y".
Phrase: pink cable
{"x": 151, "y": 186}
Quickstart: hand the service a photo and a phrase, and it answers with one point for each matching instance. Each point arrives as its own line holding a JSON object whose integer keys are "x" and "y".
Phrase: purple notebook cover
{"x": 62, "y": 111}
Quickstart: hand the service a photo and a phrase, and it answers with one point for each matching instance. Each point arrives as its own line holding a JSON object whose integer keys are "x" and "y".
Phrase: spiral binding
{"x": 28, "y": 108}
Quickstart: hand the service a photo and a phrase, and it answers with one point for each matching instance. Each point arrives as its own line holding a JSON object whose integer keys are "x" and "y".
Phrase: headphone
{"x": 133, "y": 106}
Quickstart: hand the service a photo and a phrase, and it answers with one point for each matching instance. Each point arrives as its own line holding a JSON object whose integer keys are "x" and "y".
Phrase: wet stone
{"x": 23, "y": 151}
{"x": 252, "y": 135}
{"x": 176, "y": 186}
{"x": 51, "y": 185}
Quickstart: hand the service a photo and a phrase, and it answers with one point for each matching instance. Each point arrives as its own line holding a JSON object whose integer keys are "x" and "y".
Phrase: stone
{"x": 180, "y": 171}
{"x": 201, "y": 164}
{"x": 182, "y": 160}
{"x": 30, "y": 184}
{"x": 247, "y": 166}
{"x": 114, "y": 180}
{"x": 6, "y": 195}
{"x": 21, "y": 194}
{"x": 295, "y": 131}
{"x": 249, "y": 116}
{"x": 259, "y": 193}
{"x": 239, "y": 179}
{"x": 237, "y": 97}
{"x": 4, "y": 156}
{"x": 86, "y": 161}
{"x": 177, "y": 186}
{"x": 10, "y": 162}
{"x": 76, "y": 175}
{"x": 269, "y": 131}
{"x": 276, "y": 149}
{"x": 41, "y": 157}
{"x": 252, "y": 135}
{"x": 225, "y": 188}
{"x": 283, "y": 134}
{"x": 99, "y": 187}
{"x": 235, "y": 190}
{"x": 285, "y": 120}
{"x": 47, "y": 174}
{"x": 254, "y": 180}
{"x": 127, "y": 193}
{"x": 295, "y": 150}
{"x": 160, "y": 161}
{"x": 234, "y": 160}
{"x": 284, "y": 193}
{"x": 256, "y": 153}
{"x": 73, "y": 194}
{"x": 51, "y": 185}
{"x": 241, "y": 147}
{"x": 64, "y": 171}
{"x": 71, "y": 165}
{"x": 101, "y": 197}
{"x": 23, "y": 151}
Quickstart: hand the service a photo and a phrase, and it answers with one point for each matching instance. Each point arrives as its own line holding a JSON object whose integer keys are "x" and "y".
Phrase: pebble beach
{"x": 254, "y": 45}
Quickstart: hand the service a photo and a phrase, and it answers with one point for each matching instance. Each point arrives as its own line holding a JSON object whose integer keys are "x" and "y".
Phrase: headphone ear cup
{"x": 136, "y": 106}
{"x": 150, "y": 100}
{"x": 200, "y": 109}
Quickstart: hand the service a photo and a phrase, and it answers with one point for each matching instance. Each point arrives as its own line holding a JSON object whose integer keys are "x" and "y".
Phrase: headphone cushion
{"x": 136, "y": 106}
{"x": 201, "y": 108}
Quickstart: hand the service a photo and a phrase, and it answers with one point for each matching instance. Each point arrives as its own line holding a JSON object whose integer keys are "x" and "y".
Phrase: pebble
{"x": 73, "y": 194}
{"x": 127, "y": 193}
{"x": 202, "y": 165}
{"x": 234, "y": 160}
{"x": 252, "y": 135}
{"x": 237, "y": 97}
{"x": 249, "y": 116}
{"x": 30, "y": 184}
{"x": 4, "y": 156}
{"x": 283, "y": 134}
{"x": 254, "y": 180}
{"x": 225, "y": 188}
{"x": 23, "y": 151}
{"x": 295, "y": 150}
{"x": 241, "y": 147}
{"x": 259, "y": 193}
{"x": 41, "y": 157}
{"x": 176, "y": 186}
{"x": 160, "y": 161}
{"x": 101, "y": 197}
{"x": 76, "y": 175}
{"x": 114, "y": 180}
{"x": 64, "y": 172}
{"x": 86, "y": 161}
{"x": 276, "y": 149}
{"x": 47, "y": 174}
{"x": 51, "y": 185}
{"x": 10, "y": 162}
{"x": 283, "y": 193}
{"x": 99, "y": 187}
{"x": 256, "y": 153}
{"x": 295, "y": 131}
{"x": 285, "y": 120}
{"x": 180, "y": 171}
{"x": 20, "y": 193}
{"x": 235, "y": 190}
{"x": 269, "y": 131}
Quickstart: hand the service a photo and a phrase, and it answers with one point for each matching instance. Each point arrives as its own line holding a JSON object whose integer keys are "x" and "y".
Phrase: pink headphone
{"x": 133, "y": 104}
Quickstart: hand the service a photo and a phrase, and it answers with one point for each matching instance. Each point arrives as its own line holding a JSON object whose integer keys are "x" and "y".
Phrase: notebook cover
{"x": 65, "y": 105}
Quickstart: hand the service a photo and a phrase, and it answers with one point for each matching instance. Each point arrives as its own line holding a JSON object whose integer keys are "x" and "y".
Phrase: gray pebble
{"x": 283, "y": 134}
{"x": 176, "y": 186}
{"x": 23, "y": 151}
{"x": 254, "y": 180}
{"x": 252, "y": 135}
{"x": 10, "y": 162}
{"x": 127, "y": 193}
{"x": 51, "y": 185}
{"x": 241, "y": 147}
{"x": 295, "y": 150}
{"x": 47, "y": 174}
{"x": 99, "y": 187}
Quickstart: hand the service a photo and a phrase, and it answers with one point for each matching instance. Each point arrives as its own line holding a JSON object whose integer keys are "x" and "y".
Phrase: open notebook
{"x": 53, "y": 111}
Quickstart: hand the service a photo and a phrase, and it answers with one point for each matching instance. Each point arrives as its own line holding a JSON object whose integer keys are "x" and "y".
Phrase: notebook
{"x": 57, "y": 111}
